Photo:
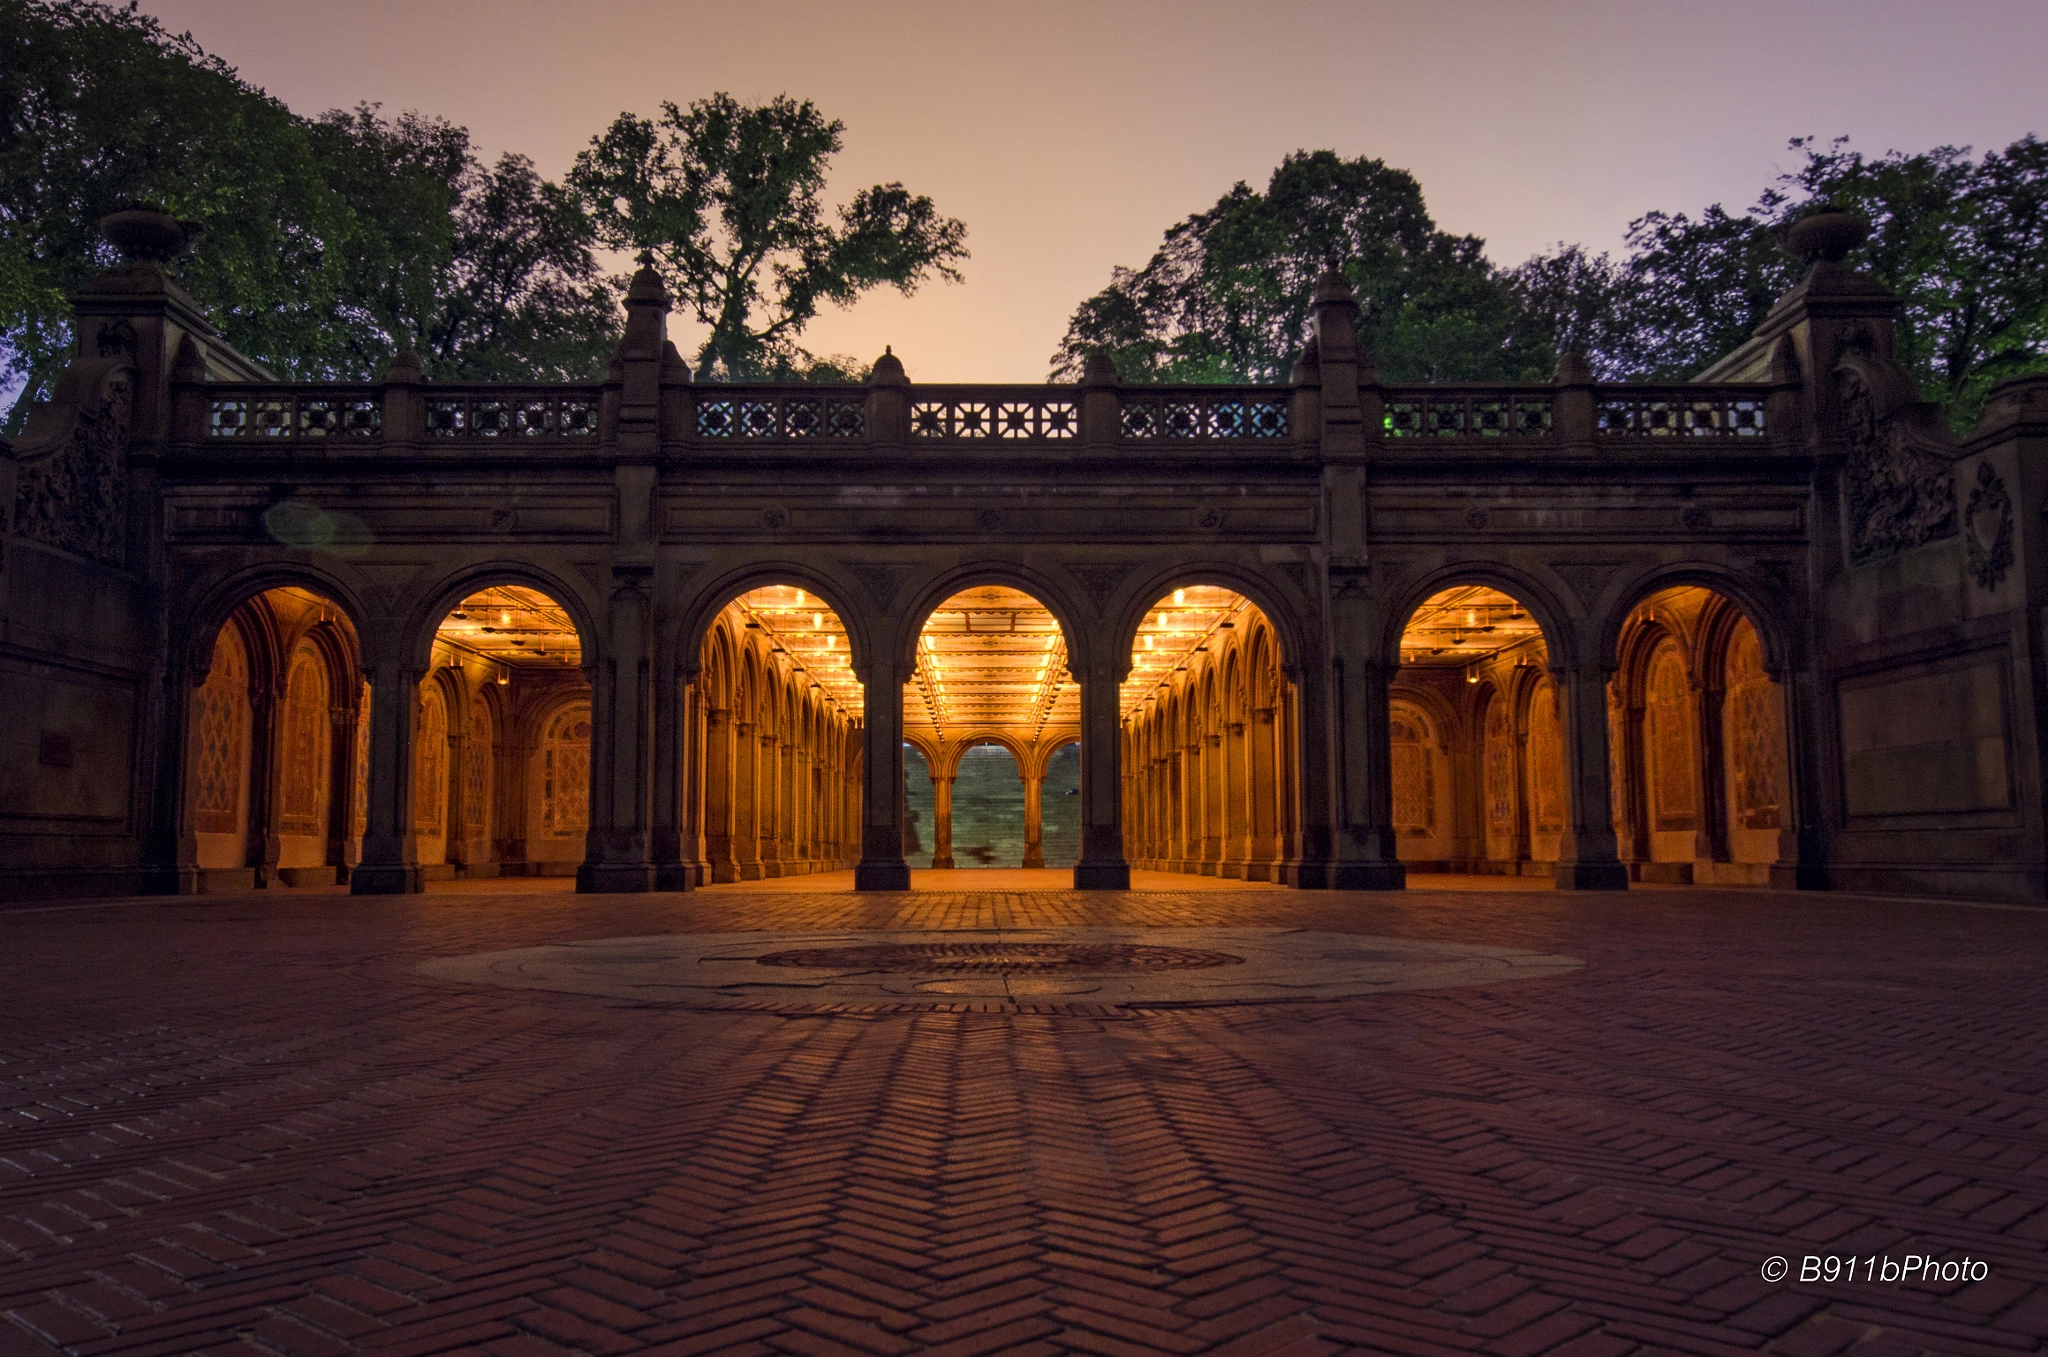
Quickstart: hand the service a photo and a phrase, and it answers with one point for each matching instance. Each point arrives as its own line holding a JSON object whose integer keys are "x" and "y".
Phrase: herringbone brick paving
{"x": 245, "y": 1126}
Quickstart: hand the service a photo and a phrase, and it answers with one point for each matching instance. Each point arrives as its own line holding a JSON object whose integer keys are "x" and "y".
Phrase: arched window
{"x": 220, "y": 779}
{"x": 565, "y": 774}
{"x": 1414, "y": 772}
{"x": 1668, "y": 724}
{"x": 430, "y": 765}
{"x": 1754, "y": 733}
{"x": 306, "y": 745}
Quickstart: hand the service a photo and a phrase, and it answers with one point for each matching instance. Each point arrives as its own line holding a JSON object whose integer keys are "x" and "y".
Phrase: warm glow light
{"x": 1148, "y": 643}
{"x": 799, "y": 598}
{"x": 817, "y": 621}
{"x": 1180, "y": 596}
{"x": 504, "y": 619}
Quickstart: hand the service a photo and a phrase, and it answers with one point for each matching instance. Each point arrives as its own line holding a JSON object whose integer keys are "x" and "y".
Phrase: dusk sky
{"x": 1069, "y": 136}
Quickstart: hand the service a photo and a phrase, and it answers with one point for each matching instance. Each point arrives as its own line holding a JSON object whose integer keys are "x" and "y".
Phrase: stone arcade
{"x": 1774, "y": 626}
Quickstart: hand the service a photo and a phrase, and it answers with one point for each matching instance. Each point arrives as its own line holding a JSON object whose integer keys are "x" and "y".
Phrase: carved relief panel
{"x": 221, "y": 720}
{"x": 1500, "y": 781}
{"x": 430, "y": 763}
{"x": 565, "y": 774}
{"x": 1668, "y": 740}
{"x": 476, "y": 771}
{"x": 1547, "y": 802}
{"x": 305, "y": 745}
{"x": 1755, "y": 735}
{"x": 1414, "y": 772}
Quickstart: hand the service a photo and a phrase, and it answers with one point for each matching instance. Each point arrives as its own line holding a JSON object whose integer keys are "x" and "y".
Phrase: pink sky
{"x": 1069, "y": 136}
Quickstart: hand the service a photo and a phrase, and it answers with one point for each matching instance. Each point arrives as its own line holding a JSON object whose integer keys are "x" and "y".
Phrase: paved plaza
{"x": 294, "y": 1122}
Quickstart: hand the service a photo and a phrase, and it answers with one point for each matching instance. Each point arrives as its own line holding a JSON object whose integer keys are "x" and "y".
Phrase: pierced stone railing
{"x": 992, "y": 414}
{"x": 1190, "y": 413}
{"x": 507, "y": 414}
{"x": 1453, "y": 412}
{"x": 306, "y": 411}
{"x": 1633, "y": 412}
{"x": 777, "y": 413}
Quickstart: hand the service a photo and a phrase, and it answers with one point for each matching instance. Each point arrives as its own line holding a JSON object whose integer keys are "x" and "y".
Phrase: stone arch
{"x": 417, "y": 630}
{"x": 683, "y": 638}
{"x": 209, "y": 605}
{"x": 1767, "y": 609}
{"x": 957, "y": 746}
{"x": 1285, "y": 613}
{"x": 1560, "y": 641}
{"x": 1052, "y": 595}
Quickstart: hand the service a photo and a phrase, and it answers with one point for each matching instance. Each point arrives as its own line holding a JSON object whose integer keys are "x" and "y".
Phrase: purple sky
{"x": 1069, "y": 136}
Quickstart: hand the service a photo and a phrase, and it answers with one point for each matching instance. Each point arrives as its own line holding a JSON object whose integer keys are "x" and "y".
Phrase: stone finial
{"x": 1099, "y": 370}
{"x": 1824, "y": 233}
{"x": 406, "y": 367}
{"x": 144, "y": 235}
{"x": 646, "y": 287}
{"x": 1333, "y": 286}
{"x": 673, "y": 368}
{"x": 1572, "y": 369}
{"x": 888, "y": 370}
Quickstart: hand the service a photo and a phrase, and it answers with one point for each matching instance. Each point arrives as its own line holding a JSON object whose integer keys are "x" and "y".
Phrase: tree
{"x": 727, "y": 198}
{"x": 485, "y": 273}
{"x": 1226, "y": 298}
{"x": 328, "y": 244}
{"x": 1965, "y": 245}
{"x": 1962, "y": 241}
{"x": 100, "y": 107}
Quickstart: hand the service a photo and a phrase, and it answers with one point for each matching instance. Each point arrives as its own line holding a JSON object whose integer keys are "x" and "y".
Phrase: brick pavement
{"x": 243, "y": 1125}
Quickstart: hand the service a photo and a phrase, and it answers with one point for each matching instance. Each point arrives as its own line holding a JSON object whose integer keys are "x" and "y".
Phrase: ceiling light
{"x": 1180, "y": 596}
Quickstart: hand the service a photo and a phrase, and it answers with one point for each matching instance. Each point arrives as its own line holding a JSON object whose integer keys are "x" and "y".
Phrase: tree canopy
{"x": 1962, "y": 240}
{"x": 1226, "y": 297}
{"x": 329, "y": 243}
{"x": 728, "y": 199}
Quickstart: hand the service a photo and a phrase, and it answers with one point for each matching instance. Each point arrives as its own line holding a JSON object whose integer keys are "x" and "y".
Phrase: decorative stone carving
{"x": 1100, "y": 580}
{"x": 1476, "y": 519}
{"x": 1588, "y": 579}
{"x": 1695, "y": 519}
{"x": 1987, "y": 529}
{"x": 879, "y": 579}
{"x": 1898, "y": 488}
{"x": 73, "y": 481}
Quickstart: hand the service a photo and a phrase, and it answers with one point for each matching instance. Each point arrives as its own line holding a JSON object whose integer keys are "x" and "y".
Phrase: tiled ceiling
{"x": 796, "y": 623}
{"x": 513, "y": 625}
{"x": 1178, "y": 630}
{"x": 991, "y": 659}
{"x": 1461, "y": 626}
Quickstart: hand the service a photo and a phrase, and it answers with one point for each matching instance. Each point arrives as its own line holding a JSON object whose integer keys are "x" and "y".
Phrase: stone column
{"x": 617, "y": 855}
{"x": 266, "y": 779}
{"x": 768, "y": 789}
{"x": 457, "y": 827}
{"x": 942, "y": 822}
{"x": 1102, "y": 865}
{"x": 1586, "y": 854}
{"x": 1237, "y": 828}
{"x": 390, "y": 864}
{"x": 1265, "y": 796}
{"x": 172, "y": 851}
{"x": 677, "y": 843}
{"x": 341, "y": 786}
{"x": 882, "y": 867}
{"x": 746, "y": 802}
{"x": 1215, "y": 825}
{"x": 1034, "y": 821}
{"x": 1710, "y": 836}
{"x": 718, "y": 797}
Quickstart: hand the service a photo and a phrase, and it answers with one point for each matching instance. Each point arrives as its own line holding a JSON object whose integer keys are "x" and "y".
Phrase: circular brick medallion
{"x": 1005, "y": 958}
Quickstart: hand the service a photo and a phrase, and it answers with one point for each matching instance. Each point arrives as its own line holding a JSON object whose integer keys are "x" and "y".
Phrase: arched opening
{"x": 501, "y": 741}
{"x": 777, "y": 718}
{"x": 990, "y": 701}
{"x": 1060, "y": 808}
{"x": 276, "y": 748}
{"x": 1210, "y": 747}
{"x": 1477, "y": 739}
{"x": 1700, "y": 761}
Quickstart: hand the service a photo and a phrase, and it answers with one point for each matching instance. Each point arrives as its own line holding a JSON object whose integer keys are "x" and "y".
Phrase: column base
{"x": 1806, "y": 876}
{"x": 365, "y": 879}
{"x": 942, "y": 864}
{"x": 1368, "y": 876}
{"x": 881, "y": 876}
{"x": 614, "y": 878}
{"x": 676, "y": 876}
{"x": 1102, "y": 876}
{"x": 1033, "y": 859}
{"x": 1592, "y": 876}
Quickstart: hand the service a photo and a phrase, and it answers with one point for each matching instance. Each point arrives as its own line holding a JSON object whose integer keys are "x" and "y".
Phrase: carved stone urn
{"x": 1828, "y": 233}
{"x": 147, "y": 236}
